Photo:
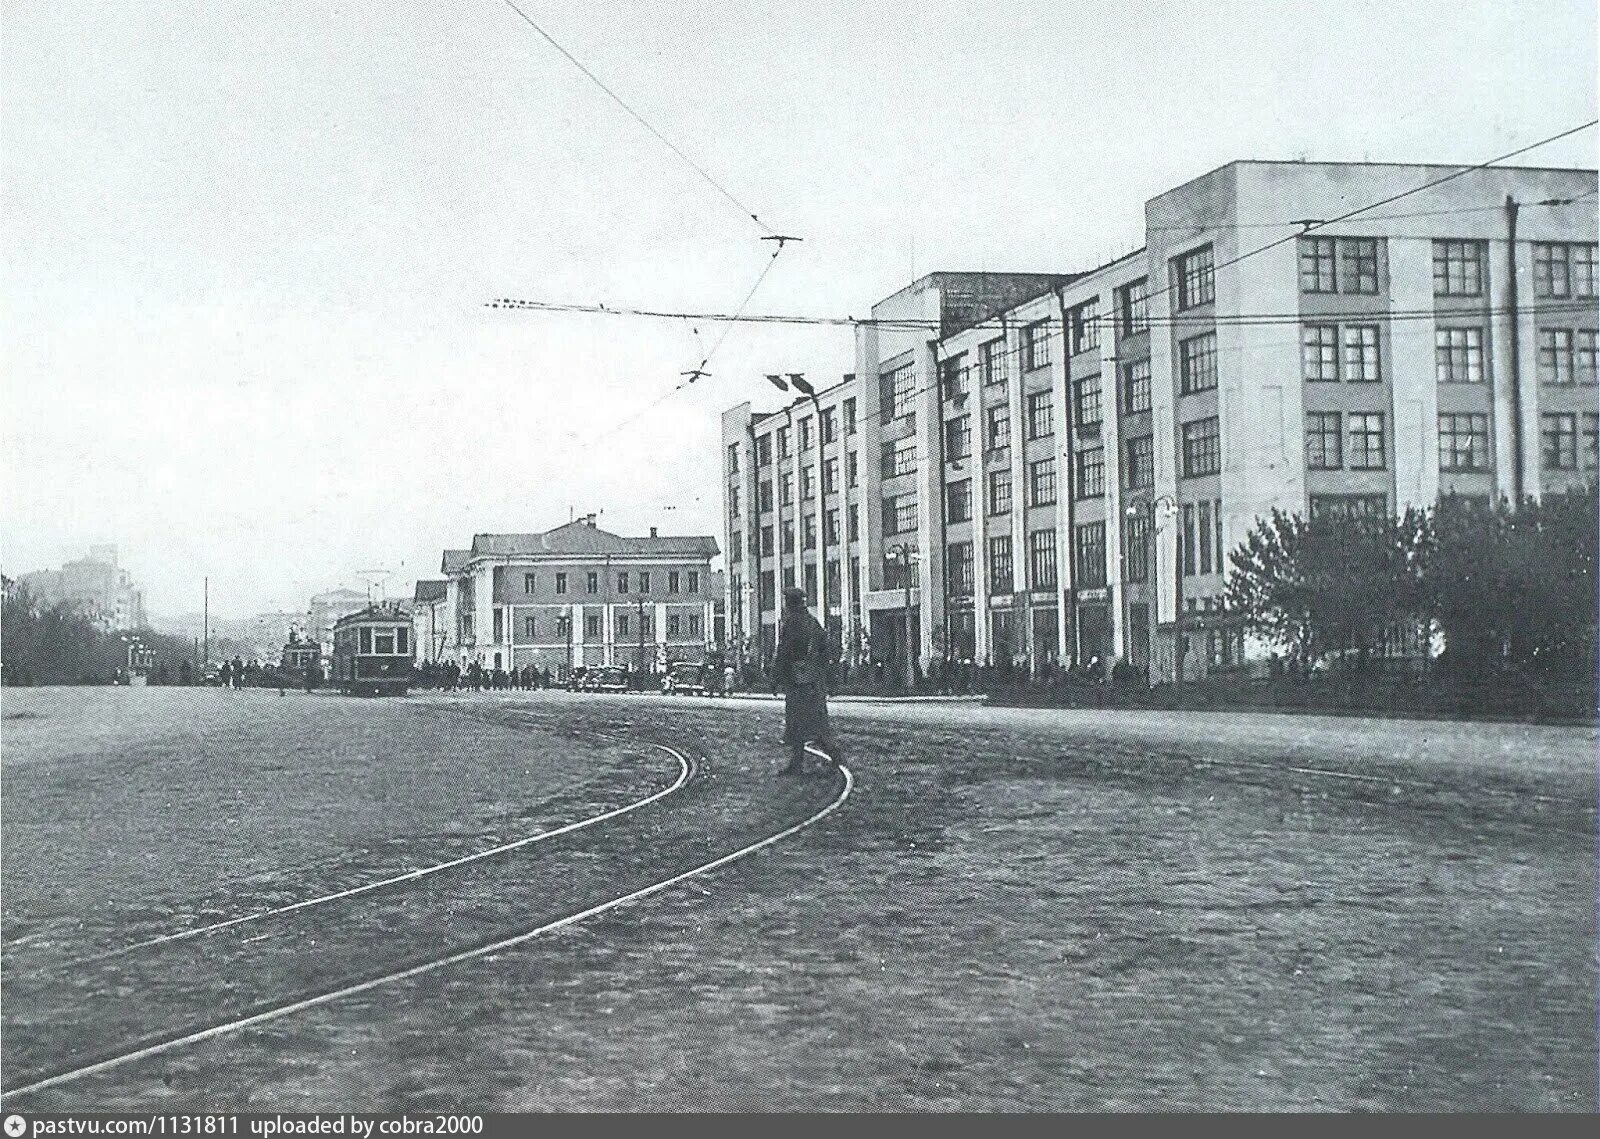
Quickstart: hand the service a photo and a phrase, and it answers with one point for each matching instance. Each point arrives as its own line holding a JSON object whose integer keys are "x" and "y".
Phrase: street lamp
{"x": 1169, "y": 507}
{"x": 905, "y": 556}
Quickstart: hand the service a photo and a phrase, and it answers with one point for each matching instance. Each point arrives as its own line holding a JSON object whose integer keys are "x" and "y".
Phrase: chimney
{"x": 588, "y": 520}
{"x": 652, "y": 531}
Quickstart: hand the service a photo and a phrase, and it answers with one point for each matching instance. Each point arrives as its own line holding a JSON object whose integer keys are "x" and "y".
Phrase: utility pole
{"x": 205, "y": 620}
{"x": 1515, "y": 379}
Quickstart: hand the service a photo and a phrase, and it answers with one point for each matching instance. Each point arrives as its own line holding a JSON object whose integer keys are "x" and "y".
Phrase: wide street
{"x": 1014, "y": 909}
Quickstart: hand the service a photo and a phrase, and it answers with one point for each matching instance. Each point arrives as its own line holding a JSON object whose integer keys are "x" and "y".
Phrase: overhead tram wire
{"x": 642, "y": 121}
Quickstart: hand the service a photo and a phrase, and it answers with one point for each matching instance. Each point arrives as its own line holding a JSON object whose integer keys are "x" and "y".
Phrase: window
{"x": 764, "y": 495}
{"x": 592, "y": 582}
{"x": 1318, "y": 261}
{"x": 958, "y": 438}
{"x": 1458, "y": 268}
{"x": 1324, "y": 441}
{"x": 786, "y": 488}
{"x": 992, "y": 361}
{"x": 694, "y": 581}
{"x": 646, "y": 624}
{"x": 1186, "y": 543}
{"x": 900, "y": 514}
{"x": 958, "y": 580}
{"x": 366, "y": 638}
{"x": 1560, "y": 436}
{"x": 1090, "y": 568}
{"x": 853, "y": 521}
{"x": 1591, "y": 440}
{"x": 1366, "y": 450}
{"x": 1361, "y": 354}
{"x": 733, "y": 458}
{"x": 1359, "y": 264}
{"x": 1203, "y": 539}
{"x": 622, "y": 583}
{"x": 1196, "y": 278}
{"x": 1136, "y": 547}
{"x": 1217, "y": 514}
{"x": 996, "y": 429}
{"x": 1463, "y": 442}
{"x": 1198, "y": 358}
{"x": 1584, "y": 362}
{"x": 999, "y": 492}
{"x": 561, "y": 583}
{"x": 1319, "y": 353}
{"x": 694, "y": 618}
{"x": 808, "y": 532}
{"x": 672, "y": 575}
{"x": 1041, "y": 415}
{"x": 1090, "y": 481}
{"x": 1084, "y": 321}
{"x": 1563, "y": 270}
{"x": 899, "y": 457}
{"x": 591, "y": 626}
{"x": 808, "y": 484}
{"x": 1202, "y": 447}
{"x": 402, "y": 638}
{"x": 830, "y": 526}
{"x": 622, "y": 624}
{"x": 1086, "y": 404}
{"x": 733, "y": 502}
{"x": 810, "y": 587}
{"x": 897, "y": 390}
{"x": 1141, "y": 461}
{"x": 783, "y": 442}
{"x": 766, "y": 541}
{"x": 830, "y": 476}
{"x": 850, "y": 416}
{"x": 828, "y": 425}
{"x": 787, "y": 540}
{"x": 852, "y": 470}
{"x": 1042, "y": 559}
{"x": 766, "y": 593}
{"x": 953, "y": 377}
{"x": 528, "y": 583}
{"x": 1000, "y": 580}
{"x": 764, "y": 451}
{"x": 1042, "y": 482}
{"x": 674, "y": 624}
{"x": 1555, "y": 356}
{"x": 1136, "y": 387}
{"x": 1458, "y": 355}
{"x": 1036, "y": 344}
{"x": 1349, "y": 505}
{"x": 958, "y": 501}
{"x": 1133, "y": 306}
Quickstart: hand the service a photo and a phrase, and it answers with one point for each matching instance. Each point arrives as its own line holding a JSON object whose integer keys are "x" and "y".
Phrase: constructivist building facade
{"x": 1064, "y": 476}
{"x": 579, "y": 596}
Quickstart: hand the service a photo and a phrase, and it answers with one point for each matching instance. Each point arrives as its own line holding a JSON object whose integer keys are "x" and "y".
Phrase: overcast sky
{"x": 246, "y": 247}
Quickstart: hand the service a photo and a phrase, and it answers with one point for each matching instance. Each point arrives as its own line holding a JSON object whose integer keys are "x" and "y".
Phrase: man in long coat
{"x": 801, "y": 669}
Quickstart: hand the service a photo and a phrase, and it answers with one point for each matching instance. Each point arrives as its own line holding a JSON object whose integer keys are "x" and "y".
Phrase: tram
{"x": 373, "y": 651}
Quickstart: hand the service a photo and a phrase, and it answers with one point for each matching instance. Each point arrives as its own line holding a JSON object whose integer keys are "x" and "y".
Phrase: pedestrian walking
{"x": 800, "y": 668}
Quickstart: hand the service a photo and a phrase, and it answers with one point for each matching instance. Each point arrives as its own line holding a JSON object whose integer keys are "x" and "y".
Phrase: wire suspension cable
{"x": 621, "y": 102}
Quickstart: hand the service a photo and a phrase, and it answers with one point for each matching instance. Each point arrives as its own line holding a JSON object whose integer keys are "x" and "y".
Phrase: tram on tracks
{"x": 373, "y": 652}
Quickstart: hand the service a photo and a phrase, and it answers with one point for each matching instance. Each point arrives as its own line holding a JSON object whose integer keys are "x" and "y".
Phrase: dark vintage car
{"x": 686, "y": 679}
{"x": 607, "y": 679}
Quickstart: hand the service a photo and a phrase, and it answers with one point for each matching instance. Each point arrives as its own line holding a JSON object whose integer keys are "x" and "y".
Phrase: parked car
{"x": 608, "y": 679}
{"x": 687, "y": 679}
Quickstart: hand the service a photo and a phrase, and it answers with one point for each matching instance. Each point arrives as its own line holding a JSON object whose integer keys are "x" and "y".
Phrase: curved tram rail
{"x": 157, "y": 1045}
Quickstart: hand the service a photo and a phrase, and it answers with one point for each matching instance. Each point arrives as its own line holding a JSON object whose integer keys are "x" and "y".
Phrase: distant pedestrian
{"x": 801, "y": 669}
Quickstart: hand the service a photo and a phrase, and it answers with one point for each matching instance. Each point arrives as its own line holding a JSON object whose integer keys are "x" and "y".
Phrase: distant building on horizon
{"x": 95, "y": 585}
{"x": 326, "y": 608}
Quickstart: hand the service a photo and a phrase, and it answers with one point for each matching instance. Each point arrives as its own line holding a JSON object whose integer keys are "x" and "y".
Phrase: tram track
{"x": 585, "y": 880}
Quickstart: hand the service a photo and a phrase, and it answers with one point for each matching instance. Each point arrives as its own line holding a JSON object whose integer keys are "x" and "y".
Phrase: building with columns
{"x": 578, "y": 596}
{"x": 1071, "y": 457}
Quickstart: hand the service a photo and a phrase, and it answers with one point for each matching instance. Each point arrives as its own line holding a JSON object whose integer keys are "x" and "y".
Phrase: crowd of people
{"x": 447, "y": 676}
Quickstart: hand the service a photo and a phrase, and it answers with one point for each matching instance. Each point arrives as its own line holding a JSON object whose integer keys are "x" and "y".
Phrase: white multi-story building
{"x": 1068, "y": 468}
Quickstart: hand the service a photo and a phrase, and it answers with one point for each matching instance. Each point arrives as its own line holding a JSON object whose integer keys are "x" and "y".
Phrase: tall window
{"x": 1555, "y": 355}
{"x": 900, "y": 514}
{"x": 1584, "y": 356}
{"x": 1563, "y": 270}
{"x": 1560, "y": 439}
{"x": 830, "y": 476}
{"x": 953, "y": 377}
{"x": 1042, "y": 482}
{"x": 850, "y": 416}
{"x": 997, "y": 428}
{"x": 1198, "y": 359}
{"x": 1000, "y": 580}
{"x": 1463, "y": 442}
{"x": 805, "y": 434}
{"x": 1319, "y": 353}
{"x": 1090, "y": 569}
{"x": 1091, "y": 473}
{"x": 1367, "y": 451}
{"x": 1591, "y": 440}
{"x": 694, "y": 581}
{"x": 764, "y": 496}
{"x": 766, "y": 541}
{"x": 992, "y": 361}
{"x": 899, "y": 457}
{"x": 1084, "y": 322}
{"x": 1361, "y": 354}
{"x": 852, "y": 469}
{"x": 787, "y": 540}
{"x": 830, "y": 526}
{"x": 1133, "y": 306}
{"x": 1359, "y": 264}
{"x": 1458, "y": 355}
{"x": 591, "y": 626}
{"x": 786, "y": 488}
{"x": 1141, "y": 461}
{"x": 1086, "y": 404}
{"x": 1458, "y": 268}
{"x": 764, "y": 451}
{"x": 1324, "y": 441}
{"x": 958, "y": 438}
{"x": 592, "y": 581}
{"x": 1136, "y": 386}
{"x": 1042, "y": 559}
{"x": 852, "y": 518}
{"x": 783, "y": 442}
{"x": 1041, "y": 417}
{"x": 827, "y": 425}
{"x": 808, "y": 483}
{"x": 529, "y": 581}
{"x": 1318, "y": 265}
{"x": 958, "y": 501}
{"x": 958, "y": 569}
{"x": 733, "y": 502}
{"x": 561, "y": 583}
{"x": 808, "y": 532}
{"x": 733, "y": 458}
{"x": 1195, "y": 275}
{"x": 897, "y": 392}
{"x": 1203, "y": 538}
{"x": 999, "y": 492}
{"x": 1136, "y": 547}
{"x": 529, "y": 625}
{"x": 1036, "y": 344}
{"x": 1202, "y": 447}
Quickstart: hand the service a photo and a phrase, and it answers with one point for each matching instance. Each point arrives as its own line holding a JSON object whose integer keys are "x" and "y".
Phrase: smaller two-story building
{"x": 578, "y": 596}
